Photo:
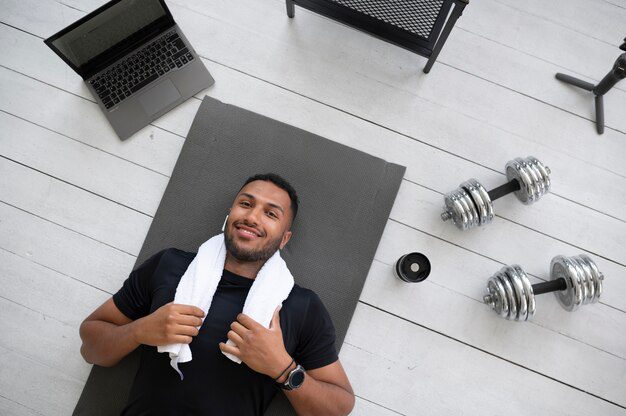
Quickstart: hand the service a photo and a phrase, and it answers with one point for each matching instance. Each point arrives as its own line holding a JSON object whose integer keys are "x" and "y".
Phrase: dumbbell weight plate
{"x": 519, "y": 170}
{"x": 518, "y": 290}
{"x": 532, "y": 176}
{"x": 495, "y": 290}
{"x": 462, "y": 209}
{"x": 543, "y": 174}
{"x": 481, "y": 200}
{"x": 510, "y": 294}
{"x": 472, "y": 211}
{"x": 588, "y": 284}
{"x": 528, "y": 291}
{"x": 572, "y": 297}
{"x": 597, "y": 276}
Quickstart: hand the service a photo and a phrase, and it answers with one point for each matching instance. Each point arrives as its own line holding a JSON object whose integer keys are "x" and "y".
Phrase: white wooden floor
{"x": 76, "y": 203}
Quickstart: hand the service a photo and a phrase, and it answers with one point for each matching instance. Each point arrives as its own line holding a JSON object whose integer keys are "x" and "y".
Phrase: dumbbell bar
{"x": 575, "y": 280}
{"x": 471, "y": 205}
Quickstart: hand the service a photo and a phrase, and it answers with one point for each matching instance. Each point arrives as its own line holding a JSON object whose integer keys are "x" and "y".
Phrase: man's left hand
{"x": 262, "y": 349}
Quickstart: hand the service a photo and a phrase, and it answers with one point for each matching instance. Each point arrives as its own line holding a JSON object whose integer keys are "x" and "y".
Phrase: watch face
{"x": 297, "y": 378}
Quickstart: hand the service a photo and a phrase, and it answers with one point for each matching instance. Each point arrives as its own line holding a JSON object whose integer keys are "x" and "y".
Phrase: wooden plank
{"x": 54, "y": 295}
{"x": 41, "y": 388}
{"x": 96, "y": 213}
{"x": 62, "y": 250}
{"x": 50, "y": 17}
{"x": 11, "y": 408}
{"x": 596, "y": 19}
{"x": 83, "y": 166}
{"x": 42, "y": 338}
{"x": 367, "y": 408}
{"x": 413, "y": 371}
{"x": 425, "y": 163}
{"x": 83, "y": 121}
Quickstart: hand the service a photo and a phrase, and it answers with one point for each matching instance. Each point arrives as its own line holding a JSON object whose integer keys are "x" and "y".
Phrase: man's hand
{"x": 262, "y": 349}
{"x": 170, "y": 324}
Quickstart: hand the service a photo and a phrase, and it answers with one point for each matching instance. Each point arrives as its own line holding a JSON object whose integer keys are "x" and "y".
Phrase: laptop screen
{"x": 106, "y": 29}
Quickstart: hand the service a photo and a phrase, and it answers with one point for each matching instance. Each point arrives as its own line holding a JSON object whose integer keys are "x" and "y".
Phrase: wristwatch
{"x": 294, "y": 379}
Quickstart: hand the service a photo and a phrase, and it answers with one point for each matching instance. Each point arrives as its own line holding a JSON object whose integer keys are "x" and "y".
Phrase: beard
{"x": 249, "y": 255}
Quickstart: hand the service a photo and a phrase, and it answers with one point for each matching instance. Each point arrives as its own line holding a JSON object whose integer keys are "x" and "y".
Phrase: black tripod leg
{"x": 575, "y": 81}
{"x": 290, "y": 7}
{"x": 599, "y": 114}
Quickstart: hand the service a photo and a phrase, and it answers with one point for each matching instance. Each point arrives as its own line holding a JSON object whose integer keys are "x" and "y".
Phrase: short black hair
{"x": 282, "y": 184}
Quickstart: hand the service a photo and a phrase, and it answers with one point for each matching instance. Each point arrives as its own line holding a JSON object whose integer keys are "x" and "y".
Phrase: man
{"x": 295, "y": 354}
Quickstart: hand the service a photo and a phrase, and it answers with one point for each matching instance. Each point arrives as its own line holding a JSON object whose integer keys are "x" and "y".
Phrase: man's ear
{"x": 286, "y": 238}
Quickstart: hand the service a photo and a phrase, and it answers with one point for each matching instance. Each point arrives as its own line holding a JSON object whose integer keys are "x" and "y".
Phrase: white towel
{"x": 271, "y": 287}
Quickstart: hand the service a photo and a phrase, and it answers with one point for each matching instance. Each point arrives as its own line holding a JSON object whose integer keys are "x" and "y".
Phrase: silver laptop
{"x": 134, "y": 59}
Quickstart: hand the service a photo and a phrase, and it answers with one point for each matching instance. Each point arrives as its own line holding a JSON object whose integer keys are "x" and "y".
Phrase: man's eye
{"x": 272, "y": 214}
{"x": 245, "y": 203}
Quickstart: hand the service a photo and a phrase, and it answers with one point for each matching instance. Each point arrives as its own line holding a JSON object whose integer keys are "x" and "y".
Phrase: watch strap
{"x": 287, "y": 385}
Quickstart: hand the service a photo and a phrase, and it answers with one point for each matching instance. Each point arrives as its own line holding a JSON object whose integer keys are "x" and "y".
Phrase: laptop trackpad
{"x": 159, "y": 97}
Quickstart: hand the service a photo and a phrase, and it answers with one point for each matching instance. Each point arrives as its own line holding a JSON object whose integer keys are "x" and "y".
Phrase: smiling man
{"x": 296, "y": 354}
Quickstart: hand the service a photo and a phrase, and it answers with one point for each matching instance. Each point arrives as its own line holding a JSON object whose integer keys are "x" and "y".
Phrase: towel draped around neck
{"x": 271, "y": 287}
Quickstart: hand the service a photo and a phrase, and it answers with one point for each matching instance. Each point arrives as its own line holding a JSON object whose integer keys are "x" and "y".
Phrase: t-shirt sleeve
{"x": 316, "y": 347}
{"x": 134, "y": 297}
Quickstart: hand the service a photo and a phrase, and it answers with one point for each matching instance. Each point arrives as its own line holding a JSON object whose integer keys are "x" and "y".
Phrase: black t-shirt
{"x": 213, "y": 384}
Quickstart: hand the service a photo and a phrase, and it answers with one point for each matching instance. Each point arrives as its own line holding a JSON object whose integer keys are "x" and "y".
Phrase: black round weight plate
{"x": 412, "y": 267}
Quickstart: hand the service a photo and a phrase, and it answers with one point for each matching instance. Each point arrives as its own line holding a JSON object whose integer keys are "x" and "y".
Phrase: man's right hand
{"x": 170, "y": 324}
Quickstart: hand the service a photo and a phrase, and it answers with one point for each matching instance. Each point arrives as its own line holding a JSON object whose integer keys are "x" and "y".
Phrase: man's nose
{"x": 252, "y": 215}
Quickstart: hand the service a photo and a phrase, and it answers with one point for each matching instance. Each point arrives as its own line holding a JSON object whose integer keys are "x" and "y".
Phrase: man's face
{"x": 259, "y": 221}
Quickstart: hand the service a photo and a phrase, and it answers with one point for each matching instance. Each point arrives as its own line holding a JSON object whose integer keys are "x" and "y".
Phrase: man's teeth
{"x": 248, "y": 232}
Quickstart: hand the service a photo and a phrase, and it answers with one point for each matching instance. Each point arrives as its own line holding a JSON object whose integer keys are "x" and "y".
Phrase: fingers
{"x": 189, "y": 310}
{"x": 239, "y": 329}
{"x": 248, "y": 322}
{"x": 230, "y": 349}
{"x": 186, "y": 330}
{"x": 181, "y": 339}
{"x": 275, "y": 323}
{"x": 234, "y": 337}
{"x": 188, "y": 320}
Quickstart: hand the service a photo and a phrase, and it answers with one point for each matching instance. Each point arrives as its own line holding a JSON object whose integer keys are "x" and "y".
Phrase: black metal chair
{"x": 421, "y": 26}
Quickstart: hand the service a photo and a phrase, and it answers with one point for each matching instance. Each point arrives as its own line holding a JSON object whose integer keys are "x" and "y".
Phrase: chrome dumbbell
{"x": 471, "y": 205}
{"x": 575, "y": 280}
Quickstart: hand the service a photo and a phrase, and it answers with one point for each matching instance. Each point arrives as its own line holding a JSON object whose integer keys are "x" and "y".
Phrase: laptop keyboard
{"x": 167, "y": 53}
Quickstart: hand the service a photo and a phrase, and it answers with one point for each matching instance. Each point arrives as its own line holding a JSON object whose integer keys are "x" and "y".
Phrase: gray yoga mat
{"x": 346, "y": 196}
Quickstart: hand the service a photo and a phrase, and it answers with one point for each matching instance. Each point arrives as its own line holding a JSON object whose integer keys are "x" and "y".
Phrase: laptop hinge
{"x": 122, "y": 49}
